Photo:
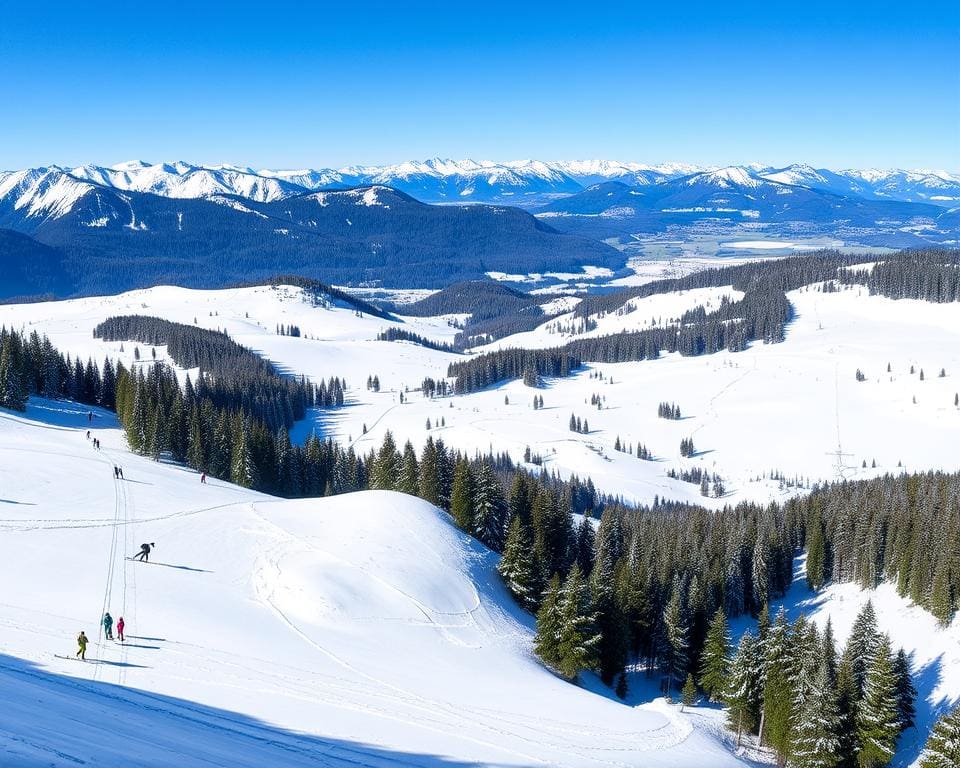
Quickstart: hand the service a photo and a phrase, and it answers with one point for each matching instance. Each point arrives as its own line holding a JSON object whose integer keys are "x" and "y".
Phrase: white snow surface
{"x": 358, "y": 630}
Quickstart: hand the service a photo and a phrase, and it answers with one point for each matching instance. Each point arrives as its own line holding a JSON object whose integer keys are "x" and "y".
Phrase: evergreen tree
{"x": 461, "y": 497}
{"x": 942, "y": 749}
{"x": 622, "y": 689}
{"x": 777, "y": 703}
{"x": 906, "y": 692}
{"x": 676, "y": 639}
{"x": 878, "y": 716}
{"x": 816, "y": 742}
{"x": 546, "y": 643}
{"x": 409, "y": 481}
{"x": 742, "y": 694}
{"x": 516, "y": 566}
{"x": 579, "y": 639}
{"x": 490, "y": 508}
{"x": 715, "y": 664}
{"x": 689, "y": 693}
{"x": 386, "y": 468}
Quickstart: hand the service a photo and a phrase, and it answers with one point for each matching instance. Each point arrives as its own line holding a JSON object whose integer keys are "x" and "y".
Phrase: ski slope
{"x": 361, "y": 630}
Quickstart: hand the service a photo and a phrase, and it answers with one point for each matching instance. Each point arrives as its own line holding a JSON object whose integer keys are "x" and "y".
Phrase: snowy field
{"x": 362, "y": 630}
{"x": 777, "y": 409}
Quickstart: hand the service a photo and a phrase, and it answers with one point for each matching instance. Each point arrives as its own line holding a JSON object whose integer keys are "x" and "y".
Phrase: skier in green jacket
{"x": 82, "y": 643}
{"x": 108, "y": 625}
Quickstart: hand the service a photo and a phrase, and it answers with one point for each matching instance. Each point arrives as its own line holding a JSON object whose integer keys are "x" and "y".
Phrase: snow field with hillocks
{"x": 772, "y": 408}
{"x": 362, "y": 629}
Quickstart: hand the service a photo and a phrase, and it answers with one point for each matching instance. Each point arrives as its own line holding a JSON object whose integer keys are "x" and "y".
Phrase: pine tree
{"x": 777, "y": 704}
{"x": 516, "y": 566}
{"x": 942, "y": 749}
{"x": 676, "y": 639}
{"x": 409, "y": 481}
{"x": 386, "y": 468}
{"x": 906, "y": 692}
{"x": 816, "y": 553}
{"x": 622, "y": 689}
{"x": 715, "y": 664}
{"x": 461, "y": 497}
{"x": 546, "y": 643}
{"x": 689, "y": 693}
{"x": 579, "y": 639}
{"x": 490, "y": 508}
{"x": 742, "y": 695}
{"x": 878, "y": 716}
{"x": 815, "y": 742}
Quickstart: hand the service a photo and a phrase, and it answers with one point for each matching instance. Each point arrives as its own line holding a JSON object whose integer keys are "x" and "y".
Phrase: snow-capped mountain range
{"x": 525, "y": 182}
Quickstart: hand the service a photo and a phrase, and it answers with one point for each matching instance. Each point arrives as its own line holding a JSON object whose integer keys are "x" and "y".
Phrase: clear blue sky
{"x": 315, "y": 84}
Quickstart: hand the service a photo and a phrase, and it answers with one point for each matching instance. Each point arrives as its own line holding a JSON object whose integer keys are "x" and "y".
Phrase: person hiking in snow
{"x": 120, "y": 472}
{"x": 88, "y": 434}
{"x": 82, "y": 646}
{"x": 108, "y": 625}
{"x": 203, "y": 478}
{"x": 120, "y": 629}
{"x": 116, "y": 472}
{"x": 144, "y": 553}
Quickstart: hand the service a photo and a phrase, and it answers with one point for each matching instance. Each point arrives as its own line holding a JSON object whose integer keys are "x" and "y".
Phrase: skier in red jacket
{"x": 120, "y": 629}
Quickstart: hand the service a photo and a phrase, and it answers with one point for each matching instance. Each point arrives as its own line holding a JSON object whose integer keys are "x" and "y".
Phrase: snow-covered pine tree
{"x": 676, "y": 644}
{"x": 777, "y": 704}
{"x": 878, "y": 716}
{"x": 579, "y": 639}
{"x": 516, "y": 566}
{"x": 742, "y": 695}
{"x": 715, "y": 663}
{"x": 386, "y": 468}
{"x": 546, "y": 643}
{"x": 489, "y": 508}
{"x": 906, "y": 692}
{"x": 815, "y": 742}
{"x": 942, "y": 749}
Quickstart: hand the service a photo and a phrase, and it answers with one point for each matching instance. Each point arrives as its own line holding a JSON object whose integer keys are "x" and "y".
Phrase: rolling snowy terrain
{"x": 358, "y": 630}
{"x": 778, "y": 409}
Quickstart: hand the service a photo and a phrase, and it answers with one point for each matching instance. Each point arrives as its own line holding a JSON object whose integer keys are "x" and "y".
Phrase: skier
{"x": 82, "y": 643}
{"x": 120, "y": 629}
{"x": 108, "y": 625}
{"x": 89, "y": 415}
{"x": 88, "y": 434}
{"x": 120, "y": 470}
{"x": 203, "y": 478}
{"x": 116, "y": 472}
{"x": 144, "y": 553}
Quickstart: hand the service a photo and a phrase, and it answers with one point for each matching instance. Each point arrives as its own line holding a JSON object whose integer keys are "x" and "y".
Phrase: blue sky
{"x": 284, "y": 84}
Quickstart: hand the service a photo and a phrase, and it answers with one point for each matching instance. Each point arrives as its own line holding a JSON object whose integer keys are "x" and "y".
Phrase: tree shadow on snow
{"x": 60, "y": 718}
{"x": 929, "y": 707}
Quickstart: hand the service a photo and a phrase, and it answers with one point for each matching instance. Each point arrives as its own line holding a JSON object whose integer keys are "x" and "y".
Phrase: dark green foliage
{"x": 715, "y": 662}
{"x": 942, "y": 749}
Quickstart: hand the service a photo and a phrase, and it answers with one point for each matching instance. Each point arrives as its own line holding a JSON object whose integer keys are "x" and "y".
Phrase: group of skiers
{"x": 83, "y": 640}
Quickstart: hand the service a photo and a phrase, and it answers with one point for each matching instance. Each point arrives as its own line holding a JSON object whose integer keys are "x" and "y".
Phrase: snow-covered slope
{"x": 737, "y": 407}
{"x": 358, "y": 630}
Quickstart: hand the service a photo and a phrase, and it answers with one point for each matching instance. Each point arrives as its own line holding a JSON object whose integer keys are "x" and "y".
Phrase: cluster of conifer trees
{"x": 393, "y": 333}
{"x": 814, "y": 707}
{"x": 668, "y": 411}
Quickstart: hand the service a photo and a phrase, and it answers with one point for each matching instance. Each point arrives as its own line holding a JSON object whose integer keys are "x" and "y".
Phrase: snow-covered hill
{"x": 358, "y": 630}
{"x": 737, "y": 406}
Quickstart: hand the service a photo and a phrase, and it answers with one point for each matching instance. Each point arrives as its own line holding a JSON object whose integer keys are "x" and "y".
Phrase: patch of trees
{"x": 288, "y": 330}
{"x": 668, "y": 411}
{"x": 399, "y": 334}
{"x": 805, "y": 699}
{"x": 231, "y": 376}
{"x": 687, "y": 448}
{"x": 432, "y": 388}
{"x": 928, "y": 275}
{"x": 581, "y": 426}
{"x": 493, "y": 367}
